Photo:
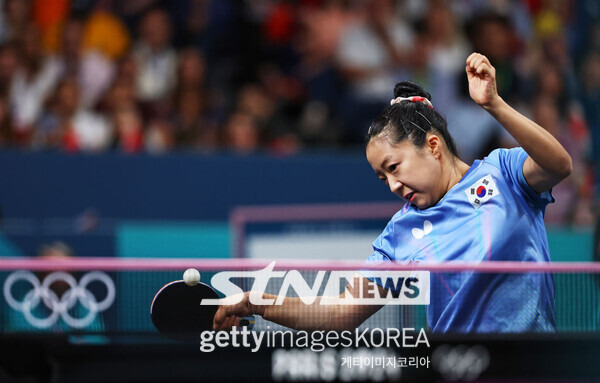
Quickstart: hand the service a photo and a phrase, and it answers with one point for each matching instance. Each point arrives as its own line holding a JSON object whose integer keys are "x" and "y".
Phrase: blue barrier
{"x": 40, "y": 187}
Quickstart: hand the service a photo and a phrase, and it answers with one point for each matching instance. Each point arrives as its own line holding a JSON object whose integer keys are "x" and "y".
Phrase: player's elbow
{"x": 565, "y": 167}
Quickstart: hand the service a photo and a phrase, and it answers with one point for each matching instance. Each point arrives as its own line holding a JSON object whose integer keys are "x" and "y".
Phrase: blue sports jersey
{"x": 490, "y": 214}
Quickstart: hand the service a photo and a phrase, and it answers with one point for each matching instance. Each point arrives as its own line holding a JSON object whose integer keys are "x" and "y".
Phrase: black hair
{"x": 411, "y": 120}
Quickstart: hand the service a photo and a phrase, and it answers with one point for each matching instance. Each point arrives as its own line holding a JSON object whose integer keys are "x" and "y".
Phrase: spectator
{"x": 371, "y": 50}
{"x": 491, "y": 35}
{"x": 155, "y": 58}
{"x": 16, "y": 19}
{"x": 242, "y": 134}
{"x": 438, "y": 57}
{"x": 159, "y": 137}
{"x": 549, "y": 82}
{"x": 33, "y": 81}
{"x": 448, "y": 47}
{"x": 255, "y": 101}
{"x": 70, "y": 126}
{"x": 94, "y": 71}
{"x": 49, "y": 17}
{"x": 9, "y": 65}
{"x": 105, "y": 33}
{"x": 317, "y": 41}
{"x": 193, "y": 122}
{"x": 191, "y": 71}
{"x": 190, "y": 127}
{"x": 370, "y": 53}
{"x": 129, "y": 133}
{"x": 268, "y": 106}
{"x": 124, "y": 111}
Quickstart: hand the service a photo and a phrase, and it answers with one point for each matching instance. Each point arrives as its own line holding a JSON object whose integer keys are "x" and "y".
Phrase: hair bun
{"x": 409, "y": 88}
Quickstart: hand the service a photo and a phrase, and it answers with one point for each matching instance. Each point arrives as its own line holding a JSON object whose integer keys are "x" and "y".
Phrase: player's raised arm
{"x": 548, "y": 161}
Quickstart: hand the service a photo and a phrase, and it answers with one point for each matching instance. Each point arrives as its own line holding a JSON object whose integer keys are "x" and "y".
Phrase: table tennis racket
{"x": 176, "y": 311}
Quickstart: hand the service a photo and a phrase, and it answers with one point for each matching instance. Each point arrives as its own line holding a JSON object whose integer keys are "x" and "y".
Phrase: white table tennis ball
{"x": 191, "y": 277}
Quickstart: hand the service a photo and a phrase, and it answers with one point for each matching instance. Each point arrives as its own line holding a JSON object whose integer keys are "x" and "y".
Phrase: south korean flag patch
{"x": 482, "y": 191}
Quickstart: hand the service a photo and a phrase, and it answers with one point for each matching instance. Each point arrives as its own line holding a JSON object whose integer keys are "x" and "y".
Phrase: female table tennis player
{"x": 490, "y": 210}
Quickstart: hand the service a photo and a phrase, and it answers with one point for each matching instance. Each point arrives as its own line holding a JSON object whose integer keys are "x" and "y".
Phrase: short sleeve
{"x": 510, "y": 162}
{"x": 383, "y": 246}
{"x": 383, "y": 249}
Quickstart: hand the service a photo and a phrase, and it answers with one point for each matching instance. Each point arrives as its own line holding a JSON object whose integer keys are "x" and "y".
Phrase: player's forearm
{"x": 296, "y": 314}
{"x": 541, "y": 146}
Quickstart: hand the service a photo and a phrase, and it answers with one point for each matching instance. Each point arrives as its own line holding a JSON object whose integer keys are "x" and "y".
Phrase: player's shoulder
{"x": 503, "y": 157}
{"x": 497, "y": 155}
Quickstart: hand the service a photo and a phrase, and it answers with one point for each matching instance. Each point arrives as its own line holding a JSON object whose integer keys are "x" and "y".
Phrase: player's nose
{"x": 395, "y": 185}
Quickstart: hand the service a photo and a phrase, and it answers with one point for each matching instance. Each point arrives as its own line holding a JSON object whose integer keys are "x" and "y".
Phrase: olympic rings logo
{"x": 77, "y": 292}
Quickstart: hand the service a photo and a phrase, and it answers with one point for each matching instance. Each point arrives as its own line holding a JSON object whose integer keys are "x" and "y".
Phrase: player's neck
{"x": 456, "y": 171}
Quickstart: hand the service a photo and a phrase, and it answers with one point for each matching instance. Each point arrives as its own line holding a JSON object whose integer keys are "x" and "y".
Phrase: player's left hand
{"x": 482, "y": 80}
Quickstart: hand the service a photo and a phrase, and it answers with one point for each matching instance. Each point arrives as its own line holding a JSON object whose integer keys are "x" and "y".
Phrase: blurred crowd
{"x": 280, "y": 76}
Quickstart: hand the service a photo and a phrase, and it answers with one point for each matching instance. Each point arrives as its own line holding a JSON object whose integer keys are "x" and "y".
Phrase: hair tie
{"x": 412, "y": 99}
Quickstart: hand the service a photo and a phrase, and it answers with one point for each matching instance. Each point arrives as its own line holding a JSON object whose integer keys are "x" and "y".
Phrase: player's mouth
{"x": 409, "y": 197}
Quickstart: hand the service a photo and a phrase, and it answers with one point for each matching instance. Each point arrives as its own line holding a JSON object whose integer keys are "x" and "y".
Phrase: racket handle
{"x": 247, "y": 322}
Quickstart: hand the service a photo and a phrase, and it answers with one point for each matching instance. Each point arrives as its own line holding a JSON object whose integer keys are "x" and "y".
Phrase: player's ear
{"x": 434, "y": 145}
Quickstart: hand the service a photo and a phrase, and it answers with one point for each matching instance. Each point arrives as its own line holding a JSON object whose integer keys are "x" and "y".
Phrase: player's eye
{"x": 392, "y": 167}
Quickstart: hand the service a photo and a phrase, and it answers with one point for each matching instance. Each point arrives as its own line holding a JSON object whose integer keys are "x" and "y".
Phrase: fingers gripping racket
{"x": 176, "y": 311}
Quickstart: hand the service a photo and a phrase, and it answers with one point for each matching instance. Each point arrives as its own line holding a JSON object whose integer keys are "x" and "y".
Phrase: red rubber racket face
{"x": 176, "y": 311}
